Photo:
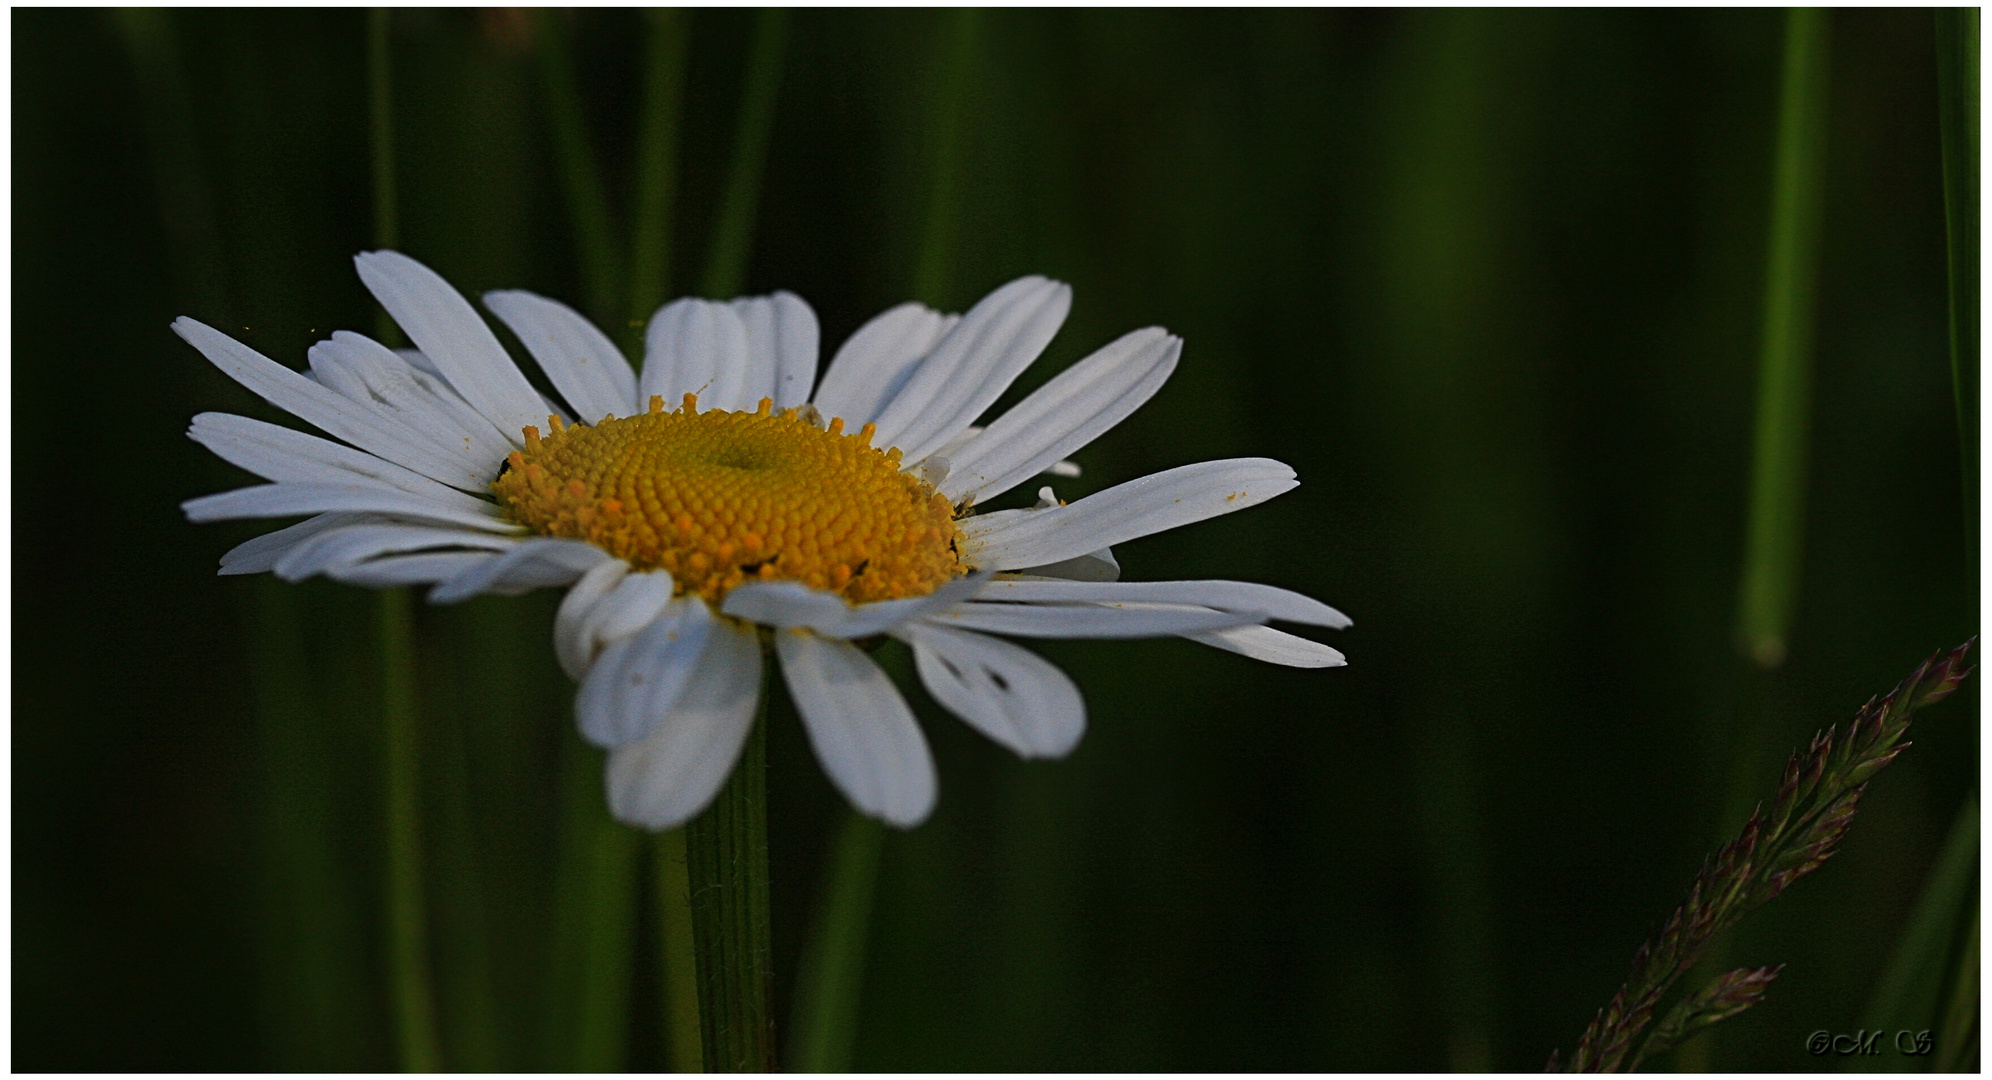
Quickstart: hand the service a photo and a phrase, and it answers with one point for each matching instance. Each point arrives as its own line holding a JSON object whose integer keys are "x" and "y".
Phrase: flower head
{"x": 713, "y": 505}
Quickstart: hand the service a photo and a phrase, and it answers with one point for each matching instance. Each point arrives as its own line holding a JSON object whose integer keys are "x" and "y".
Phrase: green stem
{"x": 387, "y": 215}
{"x": 587, "y": 201}
{"x": 1957, "y": 109}
{"x": 831, "y": 976}
{"x": 656, "y": 168}
{"x": 931, "y": 276}
{"x": 683, "y": 1042}
{"x": 1773, "y": 542}
{"x": 407, "y": 918}
{"x": 595, "y": 923}
{"x": 726, "y": 263}
{"x": 727, "y": 860}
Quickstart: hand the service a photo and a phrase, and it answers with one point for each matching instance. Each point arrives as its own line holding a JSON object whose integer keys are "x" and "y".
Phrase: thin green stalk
{"x": 830, "y": 978}
{"x": 726, "y": 262}
{"x": 1957, "y": 1034}
{"x": 1776, "y": 516}
{"x": 683, "y": 1043}
{"x": 407, "y": 919}
{"x": 580, "y": 179}
{"x": 1911, "y": 992}
{"x": 412, "y": 988}
{"x": 595, "y": 923}
{"x": 1957, "y": 109}
{"x": 932, "y": 275}
{"x": 727, "y": 859}
{"x": 830, "y": 982}
{"x": 656, "y": 167}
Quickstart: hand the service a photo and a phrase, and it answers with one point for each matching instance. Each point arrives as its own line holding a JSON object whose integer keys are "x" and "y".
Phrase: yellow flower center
{"x": 718, "y": 498}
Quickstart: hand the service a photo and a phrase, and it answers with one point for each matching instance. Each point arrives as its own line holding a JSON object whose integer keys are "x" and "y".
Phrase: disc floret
{"x": 719, "y": 498}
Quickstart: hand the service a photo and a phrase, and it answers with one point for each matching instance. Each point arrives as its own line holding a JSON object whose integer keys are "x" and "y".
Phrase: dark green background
{"x": 1490, "y": 281}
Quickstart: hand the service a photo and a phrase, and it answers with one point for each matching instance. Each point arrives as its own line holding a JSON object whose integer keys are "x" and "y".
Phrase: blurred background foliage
{"x": 1491, "y": 281}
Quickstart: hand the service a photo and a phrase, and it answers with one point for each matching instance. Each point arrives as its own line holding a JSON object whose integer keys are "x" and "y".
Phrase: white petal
{"x": 635, "y": 604}
{"x": 368, "y": 428}
{"x": 667, "y": 777}
{"x": 1273, "y": 602}
{"x": 1006, "y": 692}
{"x": 1089, "y": 621}
{"x": 636, "y": 681}
{"x": 447, "y": 329}
{"x": 584, "y": 365}
{"x": 861, "y": 729}
{"x": 358, "y": 543}
{"x": 791, "y": 603}
{"x": 781, "y": 349}
{"x": 260, "y": 553}
{"x": 698, "y": 347}
{"x": 973, "y": 365}
{"x": 1073, "y": 409}
{"x": 537, "y": 563}
{"x": 1272, "y": 646}
{"x": 1013, "y": 539}
{"x": 570, "y": 646}
{"x": 409, "y": 569}
{"x": 1093, "y": 566}
{"x": 285, "y": 500}
{"x": 373, "y": 374}
{"x": 874, "y": 364}
{"x": 287, "y": 456}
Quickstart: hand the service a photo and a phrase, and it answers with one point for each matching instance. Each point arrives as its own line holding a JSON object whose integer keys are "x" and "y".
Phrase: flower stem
{"x": 407, "y": 915}
{"x": 726, "y": 264}
{"x": 727, "y": 860}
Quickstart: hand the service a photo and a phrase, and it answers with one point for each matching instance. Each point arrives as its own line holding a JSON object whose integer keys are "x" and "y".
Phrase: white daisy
{"x": 712, "y": 503}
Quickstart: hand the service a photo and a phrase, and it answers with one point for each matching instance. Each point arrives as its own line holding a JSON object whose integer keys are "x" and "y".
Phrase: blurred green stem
{"x": 727, "y": 861}
{"x": 946, "y": 103}
{"x": 580, "y": 179}
{"x": 407, "y": 918}
{"x": 726, "y": 264}
{"x": 683, "y": 1047}
{"x": 413, "y": 990}
{"x": 1957, "y": 109}
{"x": 656, "y": 167}
{"x": 594, "y": 923}
{"x": 1776, "y": 516}
{"x": 831, "y": 974}
{"x": 1911, "y": 992}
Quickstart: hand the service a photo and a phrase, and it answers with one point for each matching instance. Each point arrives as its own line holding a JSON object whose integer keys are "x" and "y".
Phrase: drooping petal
{"x": 791, "y": 603}
{"x": 860, "y": 727}
{"x": 637, "y": 680}
{"x": 874, "y": 364}
{"x": 447, "y": 329}
{"x": 1090, "y": 621}
{"x": 1236, "y": 596}
{"x": 570, "y": 645}
{"x": 1073, "y": 409}
{"x": 698, "y": 347}
{"x": 358, "y": 543}
{"x": 536, "y": 563}
{"x": 285, "y": 500}
{"x": 1013, "y": 539}
{"x": 288, "y": 456}
{"x": 373, "y": 374}
{"x": 667, "y": 777}
{"x": 368, "y": 428}
{"x": 1005, "y": 691}
{"x": 781, "y": 349}
{"x": 422, "y": 569}
{"x": 259, "y": 554}
{"x": 1272, "y": 646}
{"x": 584, "y": 365}
{"x": 973, "y": 365}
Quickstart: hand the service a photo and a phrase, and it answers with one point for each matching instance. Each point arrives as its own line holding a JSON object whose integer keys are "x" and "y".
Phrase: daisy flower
{"x": 724, "y": 499}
